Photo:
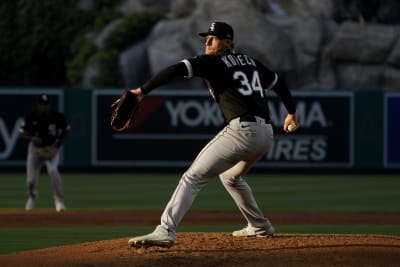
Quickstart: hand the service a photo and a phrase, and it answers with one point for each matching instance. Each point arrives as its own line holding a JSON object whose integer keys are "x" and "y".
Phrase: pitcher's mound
{"x": 223, "y": 250}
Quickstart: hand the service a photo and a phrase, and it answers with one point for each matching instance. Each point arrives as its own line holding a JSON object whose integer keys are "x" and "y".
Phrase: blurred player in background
{"x": 46, "y": 131}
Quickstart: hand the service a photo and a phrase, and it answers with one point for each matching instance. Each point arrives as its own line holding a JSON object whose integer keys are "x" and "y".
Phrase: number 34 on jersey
{"x": 249, "y": 84}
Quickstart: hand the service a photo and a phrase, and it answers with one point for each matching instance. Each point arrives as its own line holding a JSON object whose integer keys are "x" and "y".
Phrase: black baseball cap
{"x": 220, "y": 29}
{"x": 43, "y": 99}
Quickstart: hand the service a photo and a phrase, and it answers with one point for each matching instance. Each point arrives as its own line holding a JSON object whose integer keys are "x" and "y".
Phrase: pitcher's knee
{"x": 193, "y": 180}
{"x": 229, "y": 180}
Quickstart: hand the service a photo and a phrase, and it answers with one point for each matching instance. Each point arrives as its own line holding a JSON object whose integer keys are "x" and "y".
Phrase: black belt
{"x": 248, "y": 118}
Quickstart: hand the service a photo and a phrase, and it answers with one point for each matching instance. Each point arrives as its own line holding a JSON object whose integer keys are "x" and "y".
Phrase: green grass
{"x": 42, "y": 237}
{"x": 273, "y": 192}
{"x": 379, "y": 193}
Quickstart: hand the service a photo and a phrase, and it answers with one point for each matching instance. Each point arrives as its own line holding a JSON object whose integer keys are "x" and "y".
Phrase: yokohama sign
{"x": 175, "y": 125}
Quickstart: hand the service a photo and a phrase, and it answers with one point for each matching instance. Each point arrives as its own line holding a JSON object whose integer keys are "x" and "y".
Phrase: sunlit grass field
{"x": 138, "y": 191}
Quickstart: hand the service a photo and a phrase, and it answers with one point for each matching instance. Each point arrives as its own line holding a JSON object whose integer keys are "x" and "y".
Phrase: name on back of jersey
{"x": 232, "y": 60}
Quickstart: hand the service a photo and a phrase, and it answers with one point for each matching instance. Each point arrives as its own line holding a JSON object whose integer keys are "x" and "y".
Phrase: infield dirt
{"x": 211, "y": 248}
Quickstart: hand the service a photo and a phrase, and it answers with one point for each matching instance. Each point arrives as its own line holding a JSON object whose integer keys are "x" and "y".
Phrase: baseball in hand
{"x": 291, "y": 127}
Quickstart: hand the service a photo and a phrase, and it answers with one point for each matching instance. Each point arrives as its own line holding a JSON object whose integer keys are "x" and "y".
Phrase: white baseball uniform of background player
{"x": 44, "y": 127}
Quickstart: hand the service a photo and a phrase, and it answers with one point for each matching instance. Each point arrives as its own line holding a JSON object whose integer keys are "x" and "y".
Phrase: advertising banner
{"x": 325, "y": 138}
{"x": 174, "y": 125}
{"x": 392, "y": 130}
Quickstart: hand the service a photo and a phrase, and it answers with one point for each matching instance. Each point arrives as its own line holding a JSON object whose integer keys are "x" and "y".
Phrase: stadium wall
{"x": 342, "y": 130}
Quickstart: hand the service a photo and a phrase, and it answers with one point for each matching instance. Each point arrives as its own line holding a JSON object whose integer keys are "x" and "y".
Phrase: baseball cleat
{"x": 159, "y": 237}
{"x": 30, "y": 204}
{"x": 254, "y": 232}
{"x": 60, "y": 206}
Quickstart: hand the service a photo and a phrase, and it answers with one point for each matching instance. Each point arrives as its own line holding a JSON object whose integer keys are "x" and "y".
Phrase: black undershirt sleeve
{"x": 164, "y": 76}
{"x": 280, "y": 89}
{"x": 283, "y": 92}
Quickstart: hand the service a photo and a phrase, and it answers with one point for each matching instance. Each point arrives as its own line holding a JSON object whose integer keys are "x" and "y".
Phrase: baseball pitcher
{"x": 238, "y": 83}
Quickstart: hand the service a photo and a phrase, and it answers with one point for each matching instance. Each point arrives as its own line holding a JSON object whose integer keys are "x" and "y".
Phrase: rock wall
{"x": 312, "y": 44}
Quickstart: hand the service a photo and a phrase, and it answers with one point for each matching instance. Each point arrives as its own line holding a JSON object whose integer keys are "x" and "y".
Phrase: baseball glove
{"x": 123, "y": 111}
{"x": 47, "y": 152}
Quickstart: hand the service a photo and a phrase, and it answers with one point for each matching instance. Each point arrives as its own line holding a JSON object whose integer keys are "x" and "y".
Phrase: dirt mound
{"x": 210, "y": 249}
{"x": 221, "y": 249}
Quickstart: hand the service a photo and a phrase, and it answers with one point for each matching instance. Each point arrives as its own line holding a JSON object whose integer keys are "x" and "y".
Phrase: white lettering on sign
{"x": 308, "y": 116}
{"x": 10, "y": 137}
{"x": 300, "y": 149}
{"x": 194, "y": 113}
